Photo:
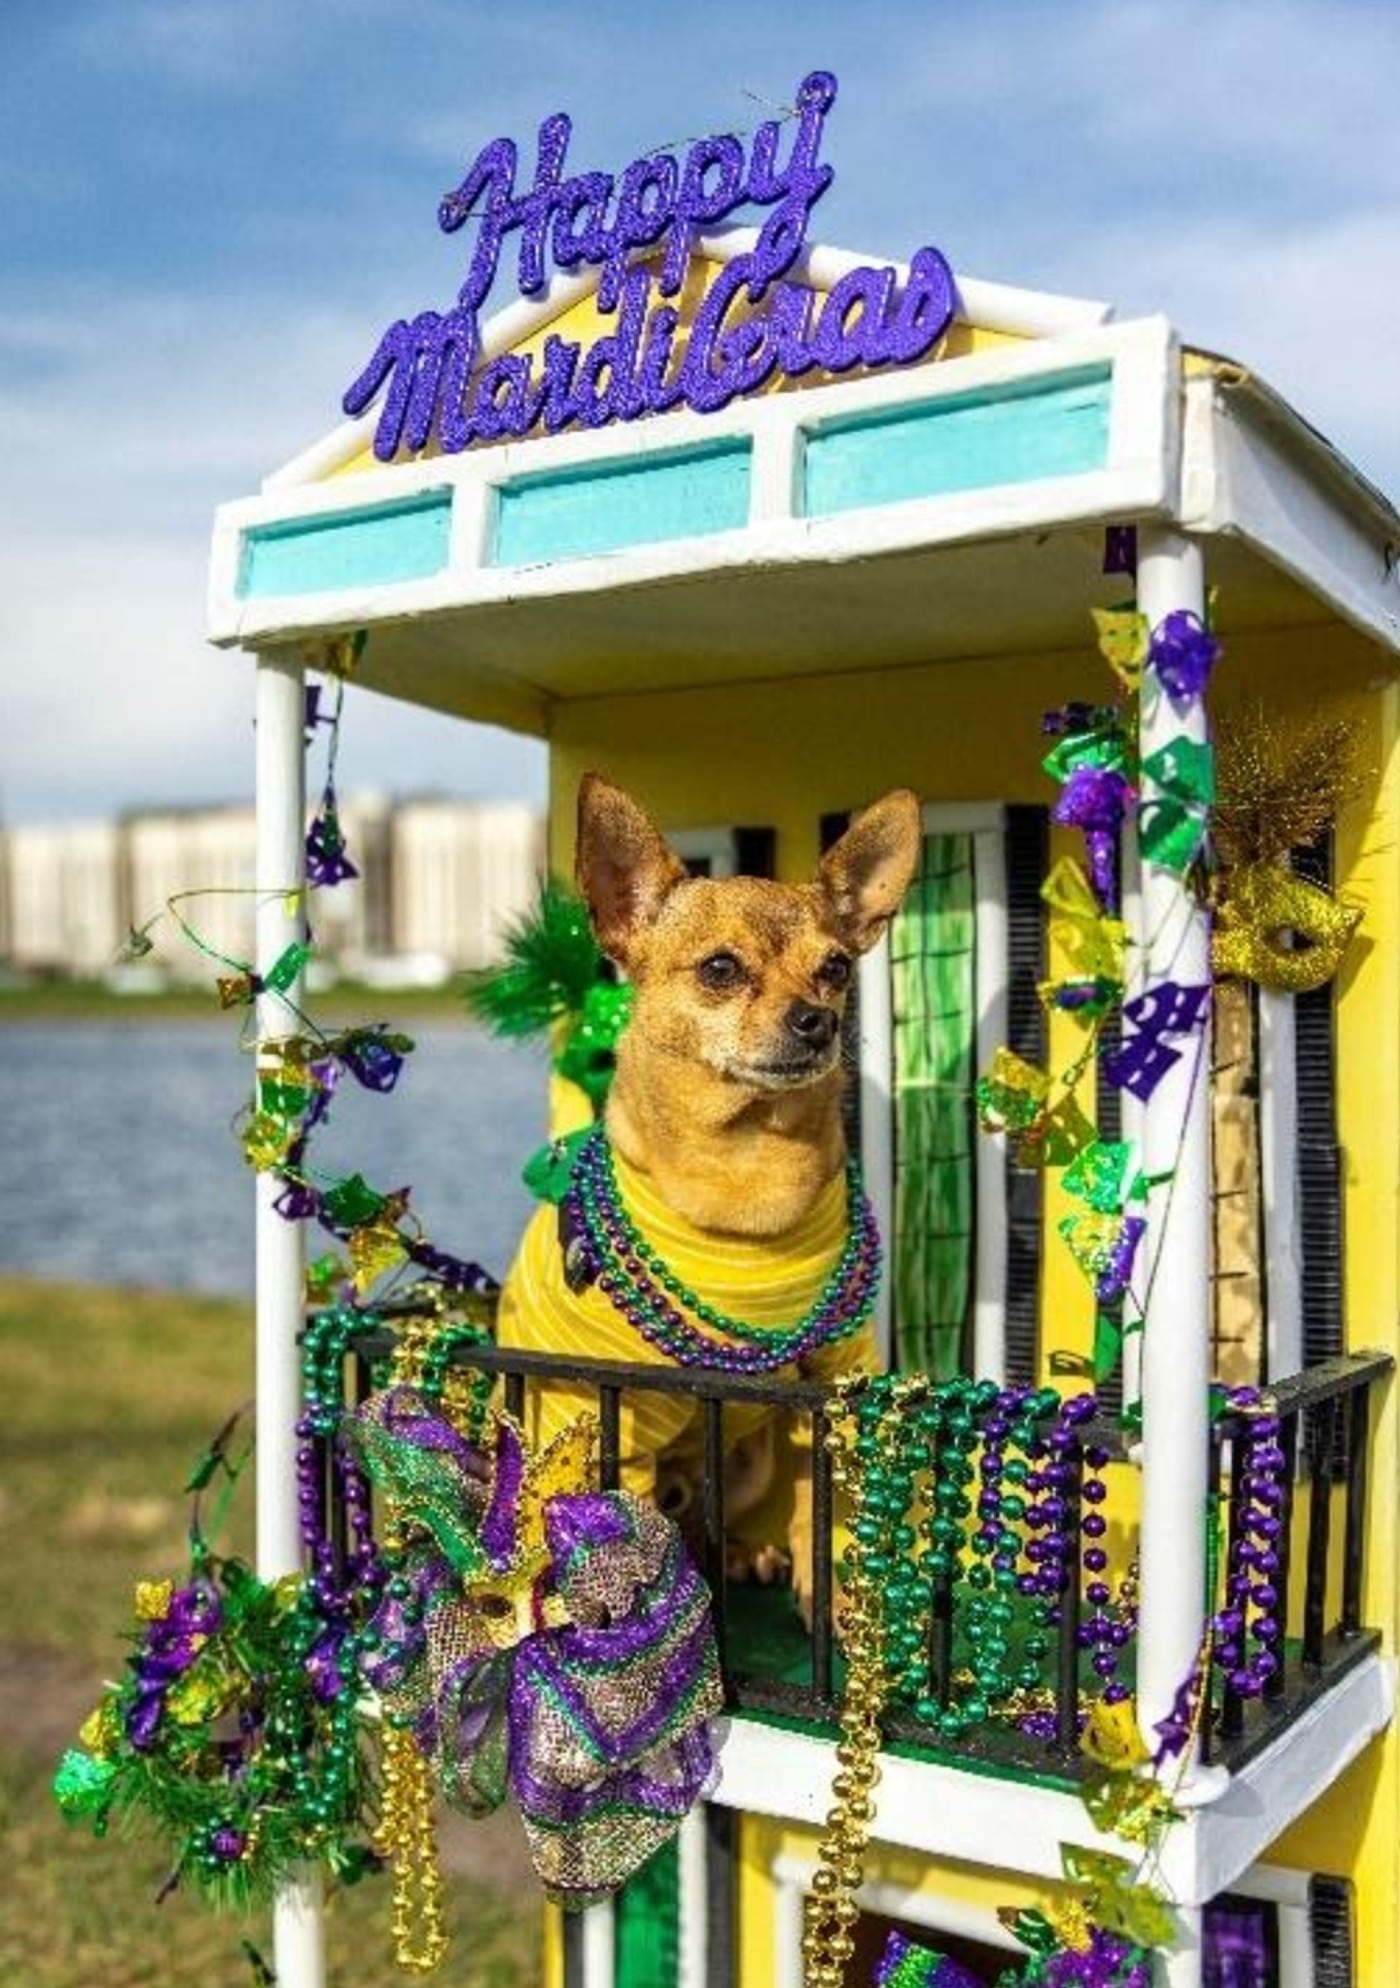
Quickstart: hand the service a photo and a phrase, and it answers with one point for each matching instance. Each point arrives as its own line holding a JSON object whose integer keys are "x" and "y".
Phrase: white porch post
{"x": 281, "y": 919}
{"x": 1175, "y": 935}
{"x": 1181, "y": 1966}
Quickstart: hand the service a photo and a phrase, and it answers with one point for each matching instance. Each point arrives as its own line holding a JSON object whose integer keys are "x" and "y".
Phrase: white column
{"x": 599, "y": 1945}
{"x": 1175, "y": 936}
{"x": 991, "y": 1228}
{"x": 692, "y": 1933}
{"x": 877, "y": 1121}
{"x": 1130, "y": 1108}
{"x": 298, "y": 1940}
{"x": 1180, "y": 1966}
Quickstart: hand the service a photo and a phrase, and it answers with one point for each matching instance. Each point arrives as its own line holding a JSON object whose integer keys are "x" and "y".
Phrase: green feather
{"x": 551, "y": 962}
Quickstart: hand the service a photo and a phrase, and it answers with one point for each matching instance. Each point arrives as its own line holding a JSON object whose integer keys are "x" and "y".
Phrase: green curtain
{"x": 932, "y": 958}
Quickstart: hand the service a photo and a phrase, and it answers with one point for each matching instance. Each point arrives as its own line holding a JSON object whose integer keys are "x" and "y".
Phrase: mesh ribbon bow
{"x": 545, "y": 1640}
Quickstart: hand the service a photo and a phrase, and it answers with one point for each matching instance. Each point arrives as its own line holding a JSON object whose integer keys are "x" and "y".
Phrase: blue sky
{"x": 212, "y": 207}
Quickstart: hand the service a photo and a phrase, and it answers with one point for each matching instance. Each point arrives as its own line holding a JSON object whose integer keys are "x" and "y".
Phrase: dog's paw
{"x": 769, "y": 1566}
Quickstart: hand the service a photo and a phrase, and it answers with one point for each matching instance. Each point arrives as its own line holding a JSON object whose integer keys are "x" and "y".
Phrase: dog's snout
{"x": 814, "y": 1027}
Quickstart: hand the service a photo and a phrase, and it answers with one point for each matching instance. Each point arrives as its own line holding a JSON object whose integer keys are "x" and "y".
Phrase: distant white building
{"x": 202, "y": 859}
{"x": 62, "y": 897}
{"x": 437, "y": 880}
{"x": 461, "y": 870}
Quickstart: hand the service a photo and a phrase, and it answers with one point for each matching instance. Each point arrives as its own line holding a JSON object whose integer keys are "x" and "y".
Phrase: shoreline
{"x": 344, "y": 1004}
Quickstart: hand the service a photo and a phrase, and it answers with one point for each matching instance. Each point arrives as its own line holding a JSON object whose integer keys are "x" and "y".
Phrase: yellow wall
{"x": 784, "y": 754}
{"x": 763, "y": 1841}
{"x": 1355, "y": 1831}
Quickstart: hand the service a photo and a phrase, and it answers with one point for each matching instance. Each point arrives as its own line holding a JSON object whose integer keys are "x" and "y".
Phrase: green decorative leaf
{"x": 352, "y": 1202}
{"x": 1184, "y": 769}
{"x": 552, "y": 960}
{"x": 548, "y": 1171}
{"x": 286, "y": 970}
{"x": 1170, "y": 834}
{"x": 81, "y": 1784}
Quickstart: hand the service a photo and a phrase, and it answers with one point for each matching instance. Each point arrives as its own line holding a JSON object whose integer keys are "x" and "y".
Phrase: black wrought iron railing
{"x": 1323, "y": 1418}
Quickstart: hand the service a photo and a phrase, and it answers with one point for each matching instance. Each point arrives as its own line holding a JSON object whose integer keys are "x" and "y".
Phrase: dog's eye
{"x": 835, "y": 972}
{"x": 720, "y": 972}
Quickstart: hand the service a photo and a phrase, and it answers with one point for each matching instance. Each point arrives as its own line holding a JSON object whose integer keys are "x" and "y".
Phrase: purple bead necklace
{"x": 648, "y": 1294}
{"x": 1250, "y": 1616}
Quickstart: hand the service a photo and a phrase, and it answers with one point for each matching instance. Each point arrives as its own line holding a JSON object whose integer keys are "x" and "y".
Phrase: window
{"x": 957, "y": 978}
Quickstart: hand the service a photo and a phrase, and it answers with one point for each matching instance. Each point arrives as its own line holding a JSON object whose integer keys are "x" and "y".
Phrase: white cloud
{"x": 1314, "y": 310}
{"x": 1235, "y": 163}
{"x": 148, "y": 416}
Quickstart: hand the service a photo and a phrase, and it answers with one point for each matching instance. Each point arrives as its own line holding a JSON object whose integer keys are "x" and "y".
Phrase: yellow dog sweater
{"x": 769, "y": 1282}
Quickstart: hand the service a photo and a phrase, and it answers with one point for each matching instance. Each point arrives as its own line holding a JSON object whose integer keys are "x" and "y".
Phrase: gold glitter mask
{"x": 1266, "y": 913}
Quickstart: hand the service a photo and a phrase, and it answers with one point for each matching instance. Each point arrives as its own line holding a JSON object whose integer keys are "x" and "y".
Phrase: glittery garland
{"x": 236, "y": 1729}
{"x": 555, "y": 980}
{"x": 299, "y": 1073}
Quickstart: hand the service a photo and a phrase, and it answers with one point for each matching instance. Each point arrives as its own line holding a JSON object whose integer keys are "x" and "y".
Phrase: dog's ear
{"x": 865, "y": 874}
{"x": 625, "y": 867}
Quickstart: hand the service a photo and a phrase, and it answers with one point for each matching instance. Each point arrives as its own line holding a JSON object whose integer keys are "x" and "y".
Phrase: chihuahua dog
{"x": 724, "y": 1124}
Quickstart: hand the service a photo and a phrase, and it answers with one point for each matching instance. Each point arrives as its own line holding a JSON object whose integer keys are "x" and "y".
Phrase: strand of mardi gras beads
{"x": 405, "y": 1839}
{"x": 643, "y": 1288}
{"x": 827, "y": 1943}
{"x": 405, "y": 1836}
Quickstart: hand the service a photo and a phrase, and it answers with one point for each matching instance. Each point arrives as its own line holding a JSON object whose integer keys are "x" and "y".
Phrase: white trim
{"x": 985, "y": 823}
{"x": 1176, "y": 1126}
{"x": 996, "y": 307}
{"x": 1253, "y": 468}
{"x": 1283, "y": 1782}
{"x": 789, "y": 1924}
{"x": 1296, "y": 1959}
{"x": 298, "y": 1923}
{"x": 1129, "y": 1106}
{"x": 876, "y": 1078}
{"x": 1179, "y": 1965}
{"x": 1135, "y": 481}
{"x": 920, "y": 1908}
{"x": 716, "y": 846}
{"x": 791, "y": 1876}
{"x": 599, "y": 1946}
{"x": 943, "y": 1812}
{"x": 1278, "y": 1168}
{"x": 693, "y": 1929}
{"x": 964, "y": 817}
{"x": 991, "y": 1230}
{"x": 792, "y": 1880}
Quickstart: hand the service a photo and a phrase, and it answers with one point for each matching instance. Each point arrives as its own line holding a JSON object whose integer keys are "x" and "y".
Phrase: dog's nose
{"x": 814, "y": 1027}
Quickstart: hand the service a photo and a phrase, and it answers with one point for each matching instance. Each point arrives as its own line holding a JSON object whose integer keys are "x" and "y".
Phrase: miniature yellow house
{"x": 758, "y": 603}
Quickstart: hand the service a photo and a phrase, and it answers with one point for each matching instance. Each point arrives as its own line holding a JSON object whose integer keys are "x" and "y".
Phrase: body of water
{"x": 120, "y": 1162}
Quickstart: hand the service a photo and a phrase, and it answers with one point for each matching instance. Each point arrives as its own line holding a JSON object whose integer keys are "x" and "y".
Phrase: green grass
{"x": 109, "y": 1398}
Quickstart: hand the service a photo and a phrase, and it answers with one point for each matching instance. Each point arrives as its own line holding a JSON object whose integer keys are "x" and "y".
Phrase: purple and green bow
{"x": 544, "y": 1640}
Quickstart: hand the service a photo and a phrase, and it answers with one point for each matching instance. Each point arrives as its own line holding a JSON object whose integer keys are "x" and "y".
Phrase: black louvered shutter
{"x": 1319, "y": 1154}
{"x": 756, "y": 852}
{"x": 1319, "y": 1169}
{"x": 1333, "y": 1939}
{"x": 1027, "y": 861}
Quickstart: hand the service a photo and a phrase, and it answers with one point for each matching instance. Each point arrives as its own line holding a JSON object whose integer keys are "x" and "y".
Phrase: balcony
{"x": 1004, "y": 1793}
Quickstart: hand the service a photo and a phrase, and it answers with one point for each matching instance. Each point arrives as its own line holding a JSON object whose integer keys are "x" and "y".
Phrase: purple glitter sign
{"x": 750, "y": 323}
